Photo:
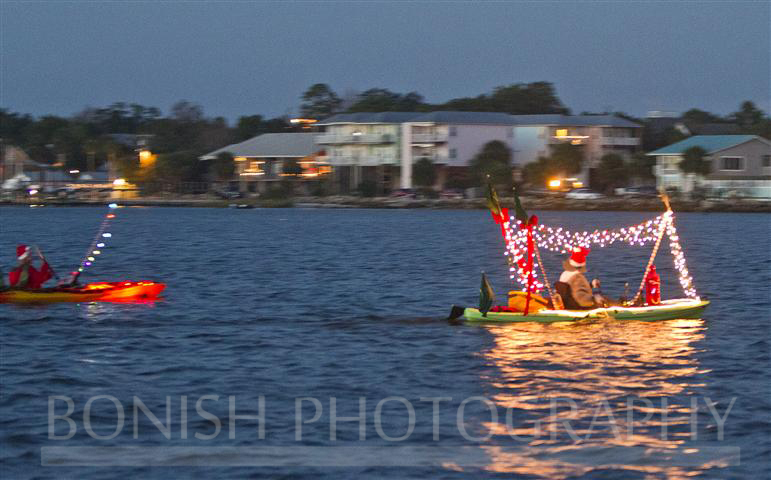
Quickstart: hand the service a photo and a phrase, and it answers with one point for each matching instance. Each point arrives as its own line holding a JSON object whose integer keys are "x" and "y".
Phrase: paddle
{"x": 43, "y": 258}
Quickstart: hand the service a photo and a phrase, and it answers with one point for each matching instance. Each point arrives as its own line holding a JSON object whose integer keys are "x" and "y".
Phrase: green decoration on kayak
{"x": 486, "y": 295}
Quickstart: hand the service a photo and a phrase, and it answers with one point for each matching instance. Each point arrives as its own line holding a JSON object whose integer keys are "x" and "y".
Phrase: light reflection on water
{"x": 592, "y": 395}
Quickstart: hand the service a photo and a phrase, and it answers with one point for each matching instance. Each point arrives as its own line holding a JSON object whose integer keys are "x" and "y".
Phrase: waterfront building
{"x": 740, "y": 165}
{"x": 271, "y": 157}
{"x": 597, "y": 135}
{"x": 382, "y": 147}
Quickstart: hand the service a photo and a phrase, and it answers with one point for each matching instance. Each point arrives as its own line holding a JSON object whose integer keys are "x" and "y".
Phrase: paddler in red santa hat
{"x": 25, "y": 275}
{"x": 580, "y": 294}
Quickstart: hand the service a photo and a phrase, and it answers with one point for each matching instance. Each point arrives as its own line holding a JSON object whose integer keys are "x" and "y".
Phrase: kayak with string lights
{"x": 524, "y": 237}
{"x": 92, "y": 292}
{"x": 666, "y": 310}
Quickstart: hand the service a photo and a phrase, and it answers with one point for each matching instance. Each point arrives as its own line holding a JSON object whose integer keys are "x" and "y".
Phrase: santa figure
{"x": 25, "y": 275}
{"x": 579, "y": 291}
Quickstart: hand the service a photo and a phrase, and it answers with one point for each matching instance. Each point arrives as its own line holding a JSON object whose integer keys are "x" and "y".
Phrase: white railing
{"x": 361, "y": 138}
{"x": 361, "y": 160}
{"x": 429, "y": 137}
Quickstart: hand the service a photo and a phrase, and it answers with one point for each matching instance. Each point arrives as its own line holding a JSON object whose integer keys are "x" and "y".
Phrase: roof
{"x": 476, "y": 118}
{"x": 465, "y": 118}
{"x": 575, "y": 120}
{"x": 368, "y": 117}
{"x": 710, "y": 143}
{"x": 271, "y": 145}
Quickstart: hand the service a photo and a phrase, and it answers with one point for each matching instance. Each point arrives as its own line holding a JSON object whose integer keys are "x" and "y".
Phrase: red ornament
{"x": 652, "y": 287}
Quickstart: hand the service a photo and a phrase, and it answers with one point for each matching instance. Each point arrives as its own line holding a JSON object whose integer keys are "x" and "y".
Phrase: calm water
{"x": 351, "y": 303}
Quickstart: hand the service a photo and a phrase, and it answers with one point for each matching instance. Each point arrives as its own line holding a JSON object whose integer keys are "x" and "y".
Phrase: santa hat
{"x": 578, "y": 256}
{"x": 22, "y": 252}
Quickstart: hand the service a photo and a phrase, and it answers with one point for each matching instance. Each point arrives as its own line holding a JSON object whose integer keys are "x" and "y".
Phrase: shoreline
{"x": 534, "y": 203}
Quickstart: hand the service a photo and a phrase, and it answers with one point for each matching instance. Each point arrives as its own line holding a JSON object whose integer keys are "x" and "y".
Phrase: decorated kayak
{"x": 92, "y": 292}
{"x": 667, "y": 310}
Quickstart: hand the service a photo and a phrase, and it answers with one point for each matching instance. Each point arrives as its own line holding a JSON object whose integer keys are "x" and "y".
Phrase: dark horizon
{"x": 238, "y": 59}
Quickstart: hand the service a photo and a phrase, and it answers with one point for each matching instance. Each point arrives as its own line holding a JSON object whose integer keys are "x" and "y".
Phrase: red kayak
{"x": 92, "y": 292}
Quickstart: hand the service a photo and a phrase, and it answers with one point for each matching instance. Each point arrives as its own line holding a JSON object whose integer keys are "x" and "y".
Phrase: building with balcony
{"x": 740, "y": 165}
{"x": 596, "y": 134}
{"x": 272, "y": 157}
{"x": 382, "y": 147}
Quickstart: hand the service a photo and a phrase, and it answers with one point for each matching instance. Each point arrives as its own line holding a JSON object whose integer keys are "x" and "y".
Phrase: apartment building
{"x": 382, "y": 147}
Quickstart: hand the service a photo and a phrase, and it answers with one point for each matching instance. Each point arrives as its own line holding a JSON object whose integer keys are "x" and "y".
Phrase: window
{"x": 453, "y": 153}
{"x": 765, "y": 161}
{"x": 561, "y": 132}
{"x": 453, "y": 131}
{"x": 731, "y": 163}
{"x": 669, "y": 162}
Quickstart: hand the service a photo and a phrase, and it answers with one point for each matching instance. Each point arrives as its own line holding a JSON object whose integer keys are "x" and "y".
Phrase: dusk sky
{"x": 244, "y": 58}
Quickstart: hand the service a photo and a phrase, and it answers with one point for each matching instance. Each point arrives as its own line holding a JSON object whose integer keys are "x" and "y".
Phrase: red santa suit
{"x": 25, "y": 275}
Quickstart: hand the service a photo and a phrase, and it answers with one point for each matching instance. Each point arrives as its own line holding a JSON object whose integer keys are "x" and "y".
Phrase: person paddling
{"x": 576, "y": 291}
{"x": 25, "y": 275}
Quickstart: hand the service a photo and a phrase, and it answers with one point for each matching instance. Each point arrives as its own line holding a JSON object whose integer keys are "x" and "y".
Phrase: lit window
{"x": 731, "y": 163}
{"x": 561, "y": 132}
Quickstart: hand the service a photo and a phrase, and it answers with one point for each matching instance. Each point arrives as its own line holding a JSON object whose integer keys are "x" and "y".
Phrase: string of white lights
{"x": 98, "y": 242}
{"x": 561, "y": 241}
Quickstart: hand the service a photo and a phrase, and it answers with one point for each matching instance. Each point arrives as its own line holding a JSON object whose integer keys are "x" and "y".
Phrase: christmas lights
{"x": 559, "y": 240}
{"x": 101, "y": 236}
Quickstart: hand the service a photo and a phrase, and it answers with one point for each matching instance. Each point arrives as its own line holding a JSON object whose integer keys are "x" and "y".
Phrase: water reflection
{"x": 581, "y": 396}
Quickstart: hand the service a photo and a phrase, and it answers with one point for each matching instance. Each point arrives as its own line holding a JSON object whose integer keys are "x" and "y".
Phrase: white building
{"x": 383, "y": 146}
{"x": 739, "y": 165}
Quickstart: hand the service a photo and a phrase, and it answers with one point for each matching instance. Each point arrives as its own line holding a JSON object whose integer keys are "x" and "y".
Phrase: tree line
{"x": 184, "y": 133}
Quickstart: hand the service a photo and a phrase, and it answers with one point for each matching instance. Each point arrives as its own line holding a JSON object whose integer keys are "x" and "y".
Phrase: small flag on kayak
{"x": 493, "y": 203}
{"x": 519, "y": 212}
{"x": 486, "y": 296}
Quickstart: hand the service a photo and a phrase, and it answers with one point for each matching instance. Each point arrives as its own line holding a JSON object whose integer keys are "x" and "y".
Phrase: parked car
{"x": 403, "y": 193}
{"x": 452, "y": 194}
{"x": 639, "y": 192}
{"x": 584, "y": 194}
{"x": 226, "y": 194}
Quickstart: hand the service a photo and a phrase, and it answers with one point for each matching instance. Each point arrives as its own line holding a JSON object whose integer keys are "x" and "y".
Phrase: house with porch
{"x": 740, "y": 165}
{"x": 272, "y": 157}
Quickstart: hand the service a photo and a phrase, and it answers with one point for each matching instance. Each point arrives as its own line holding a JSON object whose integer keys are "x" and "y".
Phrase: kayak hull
{"x": 92, "y": 292}
{"x": 668, "y": 310}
